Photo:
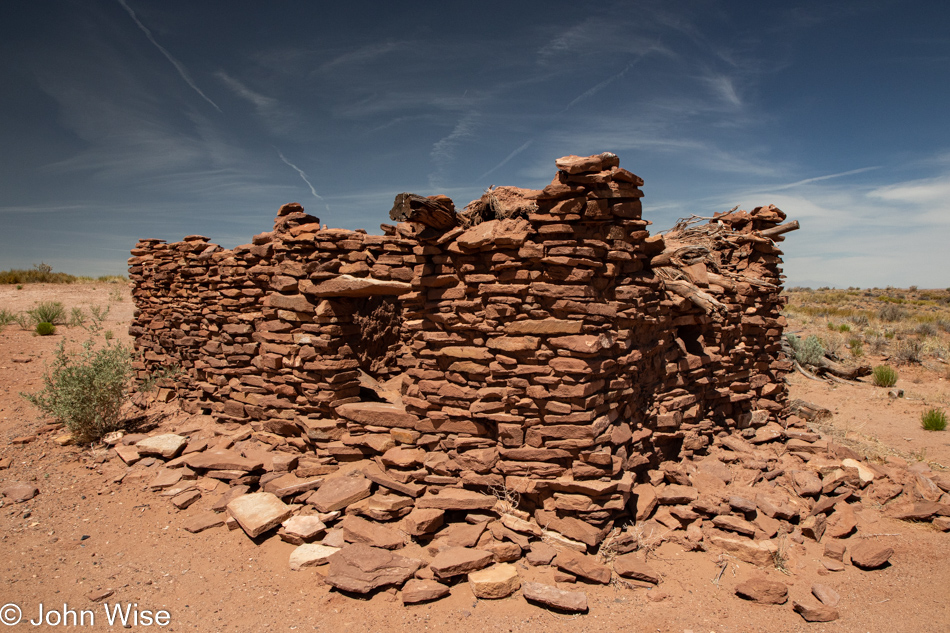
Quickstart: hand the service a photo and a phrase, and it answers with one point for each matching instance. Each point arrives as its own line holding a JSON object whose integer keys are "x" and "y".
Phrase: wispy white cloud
{"x": 303, "y": 177}
{"x": 926, "y": 191}
{"x": 860, "y": 234}
{"x": 443, "y": 150}
{"x": 177, "y": 64}
{"x": 361, "y": 55}
{"x": 724, "y": 87}
{"x": 507, "y": 158}
{"x": 276, "y": 118}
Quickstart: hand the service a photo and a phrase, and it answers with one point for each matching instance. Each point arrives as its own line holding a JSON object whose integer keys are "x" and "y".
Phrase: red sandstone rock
{"x": 416, "y": 591}
{"x": 584, "y": 566}
{"x": 571, "y": 601}
{"x": 763, "y": 590}
{"x": 456, "y": 561}
{"x": 820, "y": 613}
{"x": 361, "y": 569}
{"x": 870, "y": 555}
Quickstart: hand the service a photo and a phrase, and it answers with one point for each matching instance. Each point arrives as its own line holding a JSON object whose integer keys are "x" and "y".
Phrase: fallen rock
{"x": 755, "y": 552}
{"x": 339, "y": 492}
{"x": 358, "y": 530}
{"x": 646, "y": 501}
{"x": 203, "y": 521}
{"x": 166, "y": 446}
{"x": 583, "y": 566}
{"x": 826, "y": 595}
{"x": 832, "y": 565}
{"x": 497, "y": 581}
{"x": 630, "y": 566}
{"x": 185, "y": 499}
{"x": 18, "y": 491}
{"x": 258, "y": 512}
{"x": 456, "y": 561}
{"x": 101, "y": 594}
{"x": 541, "y": 554}
{"x": 763, "y": 590}
{"x": 416, "y": 591}
{"x": 734, "y": 524}
{"x": 571, "y": 601}
{"x": 311, "y": 555}
{"x": 835, "y": 550}
{"x": 820, "y": 613}
{"x": 422, "y": 521}
{"x": 360, "y": 568}
{"x": 301, "y": 529}
{"x": 870, "y": 555}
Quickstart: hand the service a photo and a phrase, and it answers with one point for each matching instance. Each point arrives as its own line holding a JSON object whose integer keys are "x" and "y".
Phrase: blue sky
{"x": 124, "y": 119}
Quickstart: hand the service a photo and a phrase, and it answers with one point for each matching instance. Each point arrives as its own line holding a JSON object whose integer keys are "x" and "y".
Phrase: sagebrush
{"x": 807, "y": 352}
{"x": 85, "y": 391}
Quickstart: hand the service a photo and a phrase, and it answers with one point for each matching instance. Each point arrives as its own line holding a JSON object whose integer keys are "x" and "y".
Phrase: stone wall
{"x": 546, "y": 345}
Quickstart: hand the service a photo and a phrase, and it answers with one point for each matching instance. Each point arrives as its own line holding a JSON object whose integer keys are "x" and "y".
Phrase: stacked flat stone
{"x": 543, "y": 354}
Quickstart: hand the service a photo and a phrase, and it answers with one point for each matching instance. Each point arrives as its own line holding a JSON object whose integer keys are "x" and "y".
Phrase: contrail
{"x": 181, "y": 69}
{"x": 304, "y": 177}
{"x": 508, "y": 158}
{"x": 808, "y": 181}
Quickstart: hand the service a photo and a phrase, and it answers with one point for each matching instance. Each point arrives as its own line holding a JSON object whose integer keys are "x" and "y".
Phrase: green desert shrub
{"x": 85, "y": 391}
{"x": 6, "y": 317}
{"x": 48, "y": 312}
{"x": 807, "y": 352}
{"x": 884, "y": 376}
{"x": 856, "y": 346}
{"x": 40, "y": 273}
{"x": 77, "y": 317}
{"x": 933, "y": 420}
{"x": 45, "y": 328}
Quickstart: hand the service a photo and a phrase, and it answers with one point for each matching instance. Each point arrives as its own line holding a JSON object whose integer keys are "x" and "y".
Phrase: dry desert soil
{"x": 84, "y": 535}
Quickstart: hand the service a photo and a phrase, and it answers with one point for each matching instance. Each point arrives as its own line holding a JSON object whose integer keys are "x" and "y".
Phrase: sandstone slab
{"x": 870, "y": 555}
{"x": 339, "y": 492}
{"x": 258, "y": 512}
{"x": 358, "y": 530}
{"x": 763, "y": 590}
{"x": 455, "y": 561}
{"x": 630, "y": 566}
{"x": 826, "y": 595}
{"x": 755, "y": 552}
{"x": 203, "y": 521}
{"x": 570, "y": 601}
{"x": 360, "y": 569}
{"x": 166, "y": 446}
{"x": 18, "y": 491}
{"x": 820, "y": 613}
{"x": 311, "y": 555}
{"x": 304, "y": 528}
{"x": 497, "y": 581}
{"x": 582, "y": 566}
{"x": 416, "y": 590}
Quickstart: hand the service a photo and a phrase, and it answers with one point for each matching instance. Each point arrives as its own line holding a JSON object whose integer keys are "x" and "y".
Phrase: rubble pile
{"x": 779, "y": 496}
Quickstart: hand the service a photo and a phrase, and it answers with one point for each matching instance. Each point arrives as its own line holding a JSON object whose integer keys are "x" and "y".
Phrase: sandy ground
{"x": 84, "y": 534}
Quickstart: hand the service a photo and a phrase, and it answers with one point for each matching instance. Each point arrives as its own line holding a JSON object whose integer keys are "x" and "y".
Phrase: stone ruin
{"x": 538, "y": 356}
